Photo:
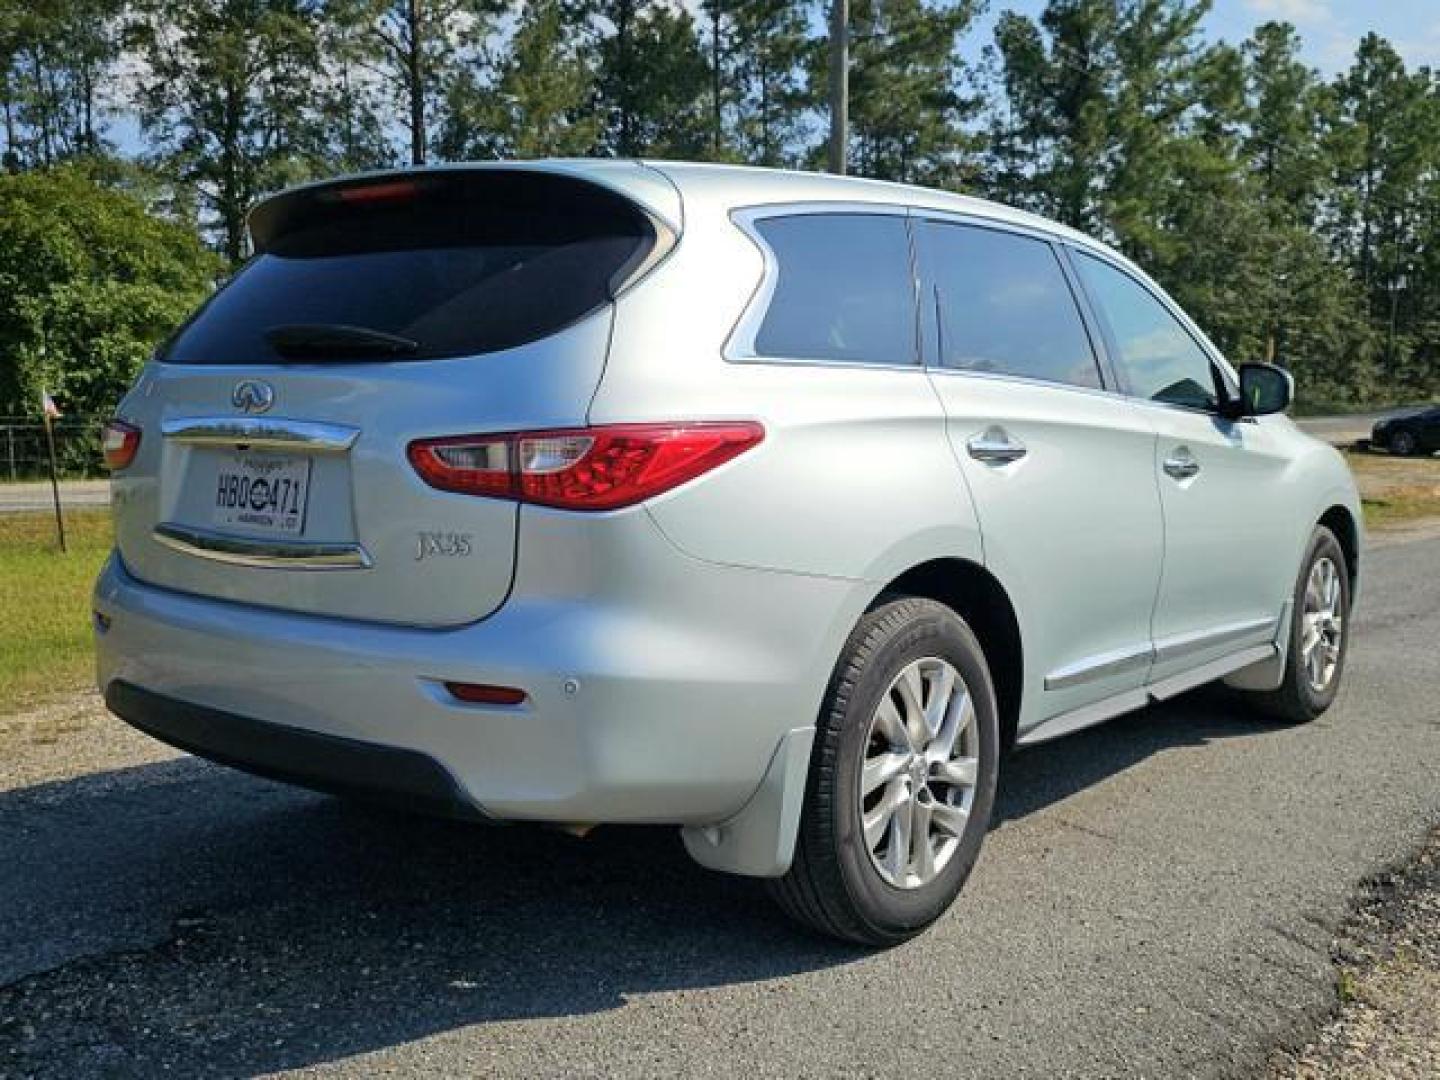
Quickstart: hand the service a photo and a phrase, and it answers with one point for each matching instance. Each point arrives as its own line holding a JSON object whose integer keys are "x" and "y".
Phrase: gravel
{"x": 1388, "y": 962}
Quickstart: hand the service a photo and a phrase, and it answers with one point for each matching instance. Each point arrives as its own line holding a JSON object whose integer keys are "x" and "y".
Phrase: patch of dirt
{"x": 1388, "y": 981}
{"x": 73, "y": 736}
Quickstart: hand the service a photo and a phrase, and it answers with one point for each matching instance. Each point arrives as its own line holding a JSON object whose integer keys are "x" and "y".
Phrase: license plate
{"x": 262, "y": 492}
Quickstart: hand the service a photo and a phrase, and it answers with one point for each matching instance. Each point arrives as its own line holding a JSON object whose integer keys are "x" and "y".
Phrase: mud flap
{"x": 759, "y": 841}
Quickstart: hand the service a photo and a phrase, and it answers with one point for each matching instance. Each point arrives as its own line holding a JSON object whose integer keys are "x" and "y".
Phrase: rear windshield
{"x": 458, "y": 264}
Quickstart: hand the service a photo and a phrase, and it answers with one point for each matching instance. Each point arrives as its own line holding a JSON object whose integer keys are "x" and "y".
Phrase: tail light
{"x": 595, "y": 468}
{"x": 120, "y": 442}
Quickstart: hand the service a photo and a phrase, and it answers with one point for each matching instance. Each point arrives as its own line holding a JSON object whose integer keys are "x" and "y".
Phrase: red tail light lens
{"x": 120, "y": 442}
{"x": 598, "y": 468}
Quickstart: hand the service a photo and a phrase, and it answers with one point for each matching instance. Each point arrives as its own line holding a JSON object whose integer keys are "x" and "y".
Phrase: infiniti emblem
{"x": 253, "y": 396}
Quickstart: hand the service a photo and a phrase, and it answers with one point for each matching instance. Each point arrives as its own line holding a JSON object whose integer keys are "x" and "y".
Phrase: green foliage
{"x": 1298, "y": 218}
{"x": 651, "y": 80}
{"x": 1293, "y": 219}
{"x": 538, "y": 103}
{"x": 414, "y": 52}
{"x": 55, "y": 57}
{"x": 230, "y": 99}
{"x": 759, "y": 52}
{"x": 89, "y": 283}
{"x": 908, "y": 108}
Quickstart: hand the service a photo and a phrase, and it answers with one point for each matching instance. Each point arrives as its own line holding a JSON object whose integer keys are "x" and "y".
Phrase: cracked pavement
{"x": 1159, "y": 896}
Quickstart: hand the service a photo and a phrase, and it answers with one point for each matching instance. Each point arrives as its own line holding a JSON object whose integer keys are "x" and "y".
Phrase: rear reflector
{"x": 597, "y": 468}
{"x": 480, "y": 694}
{"x": 120, "y": 442}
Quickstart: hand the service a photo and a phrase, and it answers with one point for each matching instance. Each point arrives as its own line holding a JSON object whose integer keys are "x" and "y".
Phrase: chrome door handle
{"x": 995, "y": 446}
{"x": 1181, "y": 464}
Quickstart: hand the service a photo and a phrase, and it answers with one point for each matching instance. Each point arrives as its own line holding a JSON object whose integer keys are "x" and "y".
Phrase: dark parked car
{"x": 1413, "y": 432}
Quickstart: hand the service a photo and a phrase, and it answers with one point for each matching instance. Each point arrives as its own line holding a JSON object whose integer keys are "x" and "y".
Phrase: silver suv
{"x": 772, "y": 506}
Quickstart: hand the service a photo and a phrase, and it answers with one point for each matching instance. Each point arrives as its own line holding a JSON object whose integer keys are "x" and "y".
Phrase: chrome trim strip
{"x": 1178, "y": 645}
{"x": 1130, "y": 700}
{"x": 264, "y": 433}
{"x": 1121, "y": 660}
{"x": 1102, "y": 666}
{"x": 1215, "y": 669}
{"x": 271, "y": 554}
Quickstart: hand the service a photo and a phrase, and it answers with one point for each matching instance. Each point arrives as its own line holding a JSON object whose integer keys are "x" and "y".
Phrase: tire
{"x": 841, "y": 885}
{"x": 1404, "y": 443}
{"x": 1299, "y": 700}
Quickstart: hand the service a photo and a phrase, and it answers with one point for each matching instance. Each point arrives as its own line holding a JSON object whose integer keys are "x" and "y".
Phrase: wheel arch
{"x": 977, "y": 596}
{"x": 1340, "y": 521}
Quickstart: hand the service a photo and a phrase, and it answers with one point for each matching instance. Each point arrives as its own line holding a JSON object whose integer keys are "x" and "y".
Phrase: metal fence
{"x": 24, "y": 455}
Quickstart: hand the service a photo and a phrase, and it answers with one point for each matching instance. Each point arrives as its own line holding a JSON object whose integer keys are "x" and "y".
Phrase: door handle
{"x": 995, "y": 446}
{"x": 1181, "y": 464}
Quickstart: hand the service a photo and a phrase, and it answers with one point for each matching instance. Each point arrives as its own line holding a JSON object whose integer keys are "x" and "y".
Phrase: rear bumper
{"x": 330, "y": 763}
{"x": 659, "y": 686}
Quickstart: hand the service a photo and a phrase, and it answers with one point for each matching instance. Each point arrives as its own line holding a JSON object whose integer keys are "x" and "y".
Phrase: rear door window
{"x": 844, "y": 290}
{"x": 455, "y": 264}
{"x": 1002, "y": 305}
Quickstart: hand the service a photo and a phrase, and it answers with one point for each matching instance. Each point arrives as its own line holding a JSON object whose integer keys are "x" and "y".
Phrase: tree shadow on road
{"x": 183, "y": 916}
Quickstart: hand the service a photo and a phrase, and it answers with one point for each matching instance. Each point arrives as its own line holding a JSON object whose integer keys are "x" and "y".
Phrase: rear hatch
{"x": 272, "y": 465}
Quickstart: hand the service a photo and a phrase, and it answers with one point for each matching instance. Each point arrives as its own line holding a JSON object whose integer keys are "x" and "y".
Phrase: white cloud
{"x": 1312, "y": 12}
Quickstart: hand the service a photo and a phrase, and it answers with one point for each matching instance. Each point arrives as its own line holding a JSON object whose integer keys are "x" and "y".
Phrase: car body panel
{"x": 1231, "y": 535}
{"x": 1078, "y": 517}
{"x": 675, "y": 654}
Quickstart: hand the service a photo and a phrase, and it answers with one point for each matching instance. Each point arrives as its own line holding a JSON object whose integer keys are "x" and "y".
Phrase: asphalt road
{"x": 31, "y": 495}
{"x": 1158, "y": 898}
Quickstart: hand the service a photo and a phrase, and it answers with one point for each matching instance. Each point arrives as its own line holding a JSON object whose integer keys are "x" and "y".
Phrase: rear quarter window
{"x": 460, "y": 264}
{"x": 843, "y": 290}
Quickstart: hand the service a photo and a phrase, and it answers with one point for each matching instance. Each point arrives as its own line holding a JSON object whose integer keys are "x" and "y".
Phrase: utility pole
{"x": 839, "y": 84}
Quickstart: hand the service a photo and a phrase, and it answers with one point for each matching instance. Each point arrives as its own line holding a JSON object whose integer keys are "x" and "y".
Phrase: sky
{"x": 1330, "y": 29}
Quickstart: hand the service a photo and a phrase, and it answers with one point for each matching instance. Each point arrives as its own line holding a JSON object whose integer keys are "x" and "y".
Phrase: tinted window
{"x": 1003, "y": 305}
{"x": 1159, "y": 358}
{"x": 458, "y": 264}
{"x": 843, "y": 292}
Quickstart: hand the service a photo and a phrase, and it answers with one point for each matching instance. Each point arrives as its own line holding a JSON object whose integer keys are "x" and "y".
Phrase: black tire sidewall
{"x": 886, "y": 909}
{"x": 1322, "y": 545}
{"x": 1404, "y": 443}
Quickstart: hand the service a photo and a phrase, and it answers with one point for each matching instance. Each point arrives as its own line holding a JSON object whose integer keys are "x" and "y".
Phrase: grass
{"x": 1396, "y": 490}
{"x": 45, "y": 604}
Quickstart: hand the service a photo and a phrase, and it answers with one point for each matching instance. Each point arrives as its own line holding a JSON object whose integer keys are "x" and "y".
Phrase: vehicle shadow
{"x": 181, "y": 916}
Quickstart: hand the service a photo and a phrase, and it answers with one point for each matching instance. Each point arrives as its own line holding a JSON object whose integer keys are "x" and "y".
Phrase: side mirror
{"x": 1264, "y": 389}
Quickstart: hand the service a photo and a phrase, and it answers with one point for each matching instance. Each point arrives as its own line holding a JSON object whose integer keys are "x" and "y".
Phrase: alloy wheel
{"x": 1322, "y": 624}
{"x": 920, "y": 771}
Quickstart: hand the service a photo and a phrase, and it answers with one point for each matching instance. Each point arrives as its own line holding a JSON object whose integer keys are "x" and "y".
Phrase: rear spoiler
{"x": 643, "y": 187}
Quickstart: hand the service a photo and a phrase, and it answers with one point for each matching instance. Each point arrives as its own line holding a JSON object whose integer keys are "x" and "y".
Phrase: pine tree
{"x": 538, "y": 103}
{"x": 230, "y": 100}
{"x": 652, "y": 80}
{"x": 1382, "y": 136}
{"x": 758, "y": 54}
{"x": 416, "y": 49}
{"x": 55, "y": 56}
{"x": 909, "y": 105}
